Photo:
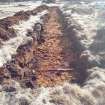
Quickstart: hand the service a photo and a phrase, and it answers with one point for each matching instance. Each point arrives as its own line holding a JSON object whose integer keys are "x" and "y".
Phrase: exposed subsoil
{"x": 55, "y": 60}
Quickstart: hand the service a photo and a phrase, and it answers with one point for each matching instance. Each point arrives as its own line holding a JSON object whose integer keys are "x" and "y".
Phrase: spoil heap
{"x": 6, "y": 31}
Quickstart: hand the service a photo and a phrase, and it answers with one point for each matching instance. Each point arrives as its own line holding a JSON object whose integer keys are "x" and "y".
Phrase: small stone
{"x": 23, "y": 101}
{"x": 9, "y": 89}
{"x": 29, "y": 84}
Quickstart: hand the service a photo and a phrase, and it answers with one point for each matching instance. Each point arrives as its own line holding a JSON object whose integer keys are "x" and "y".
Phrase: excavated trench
{"x": 56, "y": 60}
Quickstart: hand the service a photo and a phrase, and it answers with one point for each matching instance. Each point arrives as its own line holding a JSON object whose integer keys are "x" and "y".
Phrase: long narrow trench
{"x": 54, "y": 65}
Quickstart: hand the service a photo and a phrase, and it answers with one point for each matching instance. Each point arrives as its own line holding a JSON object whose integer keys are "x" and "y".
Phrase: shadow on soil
{"x": 75, "y": 48}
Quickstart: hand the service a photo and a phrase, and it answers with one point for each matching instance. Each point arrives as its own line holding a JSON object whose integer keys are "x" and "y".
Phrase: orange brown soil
{"x": 54, "y": 66}
{"x": 48, "y": 63}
